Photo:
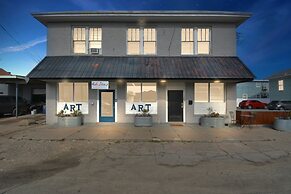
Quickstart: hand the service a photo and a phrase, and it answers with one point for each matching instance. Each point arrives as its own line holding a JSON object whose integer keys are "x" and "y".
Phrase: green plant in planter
{"x": 76, "y": 113}
{"x": 144, "y": 113}
{"x": 212, "y": 113}
{"x": 143, "y": 119}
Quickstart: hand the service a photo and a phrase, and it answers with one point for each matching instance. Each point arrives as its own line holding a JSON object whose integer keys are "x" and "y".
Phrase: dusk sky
{"x": 263, "y": 44}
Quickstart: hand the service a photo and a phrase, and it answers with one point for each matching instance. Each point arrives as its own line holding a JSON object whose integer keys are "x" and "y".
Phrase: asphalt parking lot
{"x": 35, "y": 158}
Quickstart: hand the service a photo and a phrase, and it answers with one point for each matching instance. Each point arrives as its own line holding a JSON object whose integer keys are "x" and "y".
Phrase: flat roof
{"x": 9, "y": 79}
{"x": 143, "y": 16}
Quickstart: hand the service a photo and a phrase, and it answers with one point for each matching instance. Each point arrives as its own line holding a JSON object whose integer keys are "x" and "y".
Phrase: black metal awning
{"x": 140, "y": 67}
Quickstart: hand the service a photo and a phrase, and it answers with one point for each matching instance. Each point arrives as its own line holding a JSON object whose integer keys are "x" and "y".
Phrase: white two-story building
{"x": 113, "y": 64}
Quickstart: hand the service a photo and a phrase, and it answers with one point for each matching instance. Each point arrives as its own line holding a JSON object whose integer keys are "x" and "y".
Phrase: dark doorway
{"x": 175, "y": 105}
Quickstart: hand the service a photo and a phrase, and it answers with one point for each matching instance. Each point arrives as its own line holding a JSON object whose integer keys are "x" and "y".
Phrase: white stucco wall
{"x": 120, "y": 96}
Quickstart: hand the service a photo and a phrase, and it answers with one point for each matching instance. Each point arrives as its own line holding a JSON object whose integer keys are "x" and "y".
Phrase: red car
{"x": 252, "y": 104}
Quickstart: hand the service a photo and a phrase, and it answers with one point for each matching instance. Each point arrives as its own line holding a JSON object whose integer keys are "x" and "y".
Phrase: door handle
{"x": 182, "y": 106}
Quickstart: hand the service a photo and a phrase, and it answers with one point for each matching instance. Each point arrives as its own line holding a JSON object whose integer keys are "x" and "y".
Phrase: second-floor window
{"x": 79, "y": 40}
{"x": 85, "y": 38}
{"x": 187, "y": 41}
{"x": 95, "y": 38}
{"x": 149, "y": 41}
{"x": 280, "y": 85}
{"x": 133, "y": 41}
{"x": 195, "y": 41}
{"x": 203, "y": 41}
{"x": 141, "y": 41}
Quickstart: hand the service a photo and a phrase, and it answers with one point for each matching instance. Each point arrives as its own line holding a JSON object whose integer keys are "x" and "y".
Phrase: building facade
{"x": 254, "y": 90}
{"x": 113, "y": 65}
{"x": 280, "y": 86}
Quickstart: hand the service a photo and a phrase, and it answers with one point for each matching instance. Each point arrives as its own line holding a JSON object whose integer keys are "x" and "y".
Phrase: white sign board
{"x": 100, "y": 85}
{"x": 137, "y": 107}
{"x": 70, "y": 107}
{"x": 201, "y": 107}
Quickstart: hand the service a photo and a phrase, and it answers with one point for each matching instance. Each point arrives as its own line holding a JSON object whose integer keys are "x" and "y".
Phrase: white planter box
{"x": 69, "y": 121}
{"x": 143, "y": 121}
{"x": 214, "y": 122}
{"x": 282, "y": 124}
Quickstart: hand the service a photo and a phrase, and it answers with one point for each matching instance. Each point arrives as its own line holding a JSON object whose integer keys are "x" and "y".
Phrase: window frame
{"x": 73, "y": 40}
{"x": 141, "y": 91}
{"x": 209, "y": 41}
{"x": 209, "y": 93}
{"x": 280, "y": 85}
{"x": 195, "y": 38}
{"x": 89, "y": 41}
{"x": 87, "y": 37}
{"x": 73, "y": 91}
{"x": 141, "y": 41}
{"x": 208, "y": 97}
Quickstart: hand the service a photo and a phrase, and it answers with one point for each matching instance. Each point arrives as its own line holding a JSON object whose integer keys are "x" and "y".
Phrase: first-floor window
{"x": 73, "y": 92}
{"x": 216, "y": 92}
{"x": 141, "y": 92}
{"x": 209, "y": 92}
{"x": 281, "y": 85}
{"x": 201, "y": 92}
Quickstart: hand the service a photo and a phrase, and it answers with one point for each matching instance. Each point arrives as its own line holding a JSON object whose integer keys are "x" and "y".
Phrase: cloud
{"x": 23, "y": 46}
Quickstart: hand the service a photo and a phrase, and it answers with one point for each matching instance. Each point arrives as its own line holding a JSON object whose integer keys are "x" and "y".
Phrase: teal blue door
{"x": 107, "y": 106}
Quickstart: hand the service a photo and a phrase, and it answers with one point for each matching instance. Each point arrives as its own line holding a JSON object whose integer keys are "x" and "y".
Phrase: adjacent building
{"x": 113, "y": 64}
{"x": 254, "y": 90}
{"x": 280, "y": 86}
{"x": 33, "y": 92}
{"x": 4, "y": 88}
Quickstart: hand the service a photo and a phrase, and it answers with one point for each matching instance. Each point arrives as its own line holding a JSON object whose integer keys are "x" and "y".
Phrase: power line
{"x": 35, "y": 58}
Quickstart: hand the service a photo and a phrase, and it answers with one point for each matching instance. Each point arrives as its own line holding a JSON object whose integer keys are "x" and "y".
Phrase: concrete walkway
{"x": 159, "y": 132}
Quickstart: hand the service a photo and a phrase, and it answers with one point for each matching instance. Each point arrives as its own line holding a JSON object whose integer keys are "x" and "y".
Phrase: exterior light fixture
{"x": 163, "y": 81}
{"x": 120, "y": 81}
{"x": 216, "y": 81}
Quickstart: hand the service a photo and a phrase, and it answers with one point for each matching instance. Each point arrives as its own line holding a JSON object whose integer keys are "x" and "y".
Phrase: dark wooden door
{"x": 175, "y": 105}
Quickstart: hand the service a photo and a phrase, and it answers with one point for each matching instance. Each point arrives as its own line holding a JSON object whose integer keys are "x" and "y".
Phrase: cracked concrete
{"x": 162, "y": 159}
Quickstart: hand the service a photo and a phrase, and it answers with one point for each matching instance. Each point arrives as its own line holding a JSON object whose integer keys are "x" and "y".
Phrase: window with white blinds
{"x": 79, "y": 40}
{"x": 209, "y": 92}
{"x": 95, "y": 38}
{"x": 195, "y": 41}
{"x": 85, "y": 38}
{"x": 141, "y": 41}
{"x": 187, "y": 41}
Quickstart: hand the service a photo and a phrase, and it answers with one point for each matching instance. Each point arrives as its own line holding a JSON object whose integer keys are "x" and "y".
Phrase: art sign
{"x": 70, "y": 107}
{"x": 100, "y": 85}
{"x": 138, "y": 107}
